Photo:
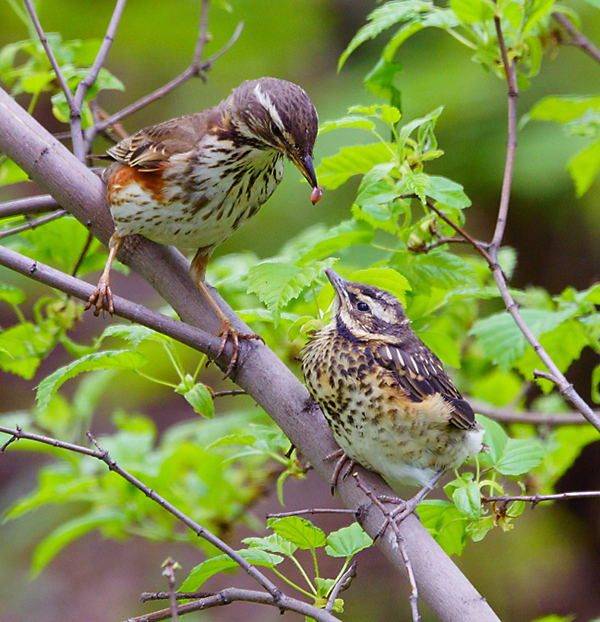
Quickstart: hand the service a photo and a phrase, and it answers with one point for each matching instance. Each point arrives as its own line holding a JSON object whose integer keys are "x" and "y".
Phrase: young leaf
{"x": 584, "y": 167}
{"x": 273, "y": 543}
{"x": 200, "y": 398}
{"x": 495, "y": 437}
{"x": 445, "y": 523}
{"x": 520, "y": 456}
{"x": 471, "y": 11}
{"x": 467, "y": 499}
{"x": 109, "y": 359}
{"x": 299, "y": 531}
{"x": 347, "y": 541}
{"x": 209, "y": 567}
{"x": 132, "y": 333}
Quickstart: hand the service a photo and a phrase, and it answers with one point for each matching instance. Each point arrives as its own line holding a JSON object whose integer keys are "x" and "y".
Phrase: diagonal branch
{"x": 261, "y": 374}
{"x": 578, "y": 39}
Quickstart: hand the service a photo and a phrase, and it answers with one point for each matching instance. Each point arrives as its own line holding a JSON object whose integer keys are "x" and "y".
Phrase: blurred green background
{"x": 548, "y": 563}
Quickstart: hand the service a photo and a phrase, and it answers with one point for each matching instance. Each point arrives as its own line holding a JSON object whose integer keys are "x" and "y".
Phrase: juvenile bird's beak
{"x": 339, "y": 287}
{"x": 305, "y": 166}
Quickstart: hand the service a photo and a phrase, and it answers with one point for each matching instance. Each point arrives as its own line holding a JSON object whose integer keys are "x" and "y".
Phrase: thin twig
{"x": 230, "y": 595}
{"x": 312, "y": 511}
{"x": 32, "y": 224}
{"x": 507, "y": 415}
{"x": 146, "y": 596}
{"x": 342, "y": 584}
{"x": 535, "y": 499}
{"x": 194, "y": 70}
{"x": 39, "y": 204}
{"x": 228, "y": 393}
{"x": 169, "y": 568}
{"x": 578, "y": 39}
{"x": 92, "y": 75}
{"x": 74, "y": 109}
{"x": 414, "y": 591}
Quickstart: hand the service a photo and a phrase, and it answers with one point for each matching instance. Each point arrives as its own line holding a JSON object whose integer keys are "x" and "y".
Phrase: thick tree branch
{"x": 260, "y": 373}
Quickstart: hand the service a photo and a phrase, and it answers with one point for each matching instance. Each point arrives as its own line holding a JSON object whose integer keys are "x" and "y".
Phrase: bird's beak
{"x": 339, "y": 287}
{"x": 306, "y": 167}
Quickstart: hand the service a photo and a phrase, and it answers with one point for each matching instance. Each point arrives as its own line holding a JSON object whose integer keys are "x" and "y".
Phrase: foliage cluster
{"x": 214, "y": 469}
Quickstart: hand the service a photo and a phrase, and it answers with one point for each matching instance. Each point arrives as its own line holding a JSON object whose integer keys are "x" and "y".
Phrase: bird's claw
{"x": 342, "y": 461}
{"x": 98, "y": 296}
{"x": 227, "y": 330}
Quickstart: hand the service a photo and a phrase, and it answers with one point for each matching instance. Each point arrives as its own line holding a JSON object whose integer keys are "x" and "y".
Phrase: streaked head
{"x": 366, "y": 311}
{"x": 280, "y": 115}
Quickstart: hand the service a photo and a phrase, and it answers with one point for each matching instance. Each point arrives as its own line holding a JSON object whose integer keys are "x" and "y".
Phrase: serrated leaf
{"x": 447, "y": 192}
{"x": 299, "y": 531}
{"x": 132, "y": 333}
{"x": 502, "y": 340}
{"x": 347, "y": 541}
{"x": 520, "y": 456}
{"x": 69, "y": 531}
{"x": 109, "y": 359}
{"x": 276, "y": 283}
{"x": 273, "y": 543}
{"x": 335, "y": 170}
{"x": 384, "y": 278}
{"x": 381, "y": 19}
{"x": 210, "y": 567}
{"x": 334, "y": 244}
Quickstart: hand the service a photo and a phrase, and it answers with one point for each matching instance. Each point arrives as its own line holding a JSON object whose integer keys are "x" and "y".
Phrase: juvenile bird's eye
{"x": 362, "y": 306}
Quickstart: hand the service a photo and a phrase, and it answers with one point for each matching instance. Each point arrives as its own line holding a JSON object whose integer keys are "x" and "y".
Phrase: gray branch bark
{"x": 260, "y": 373}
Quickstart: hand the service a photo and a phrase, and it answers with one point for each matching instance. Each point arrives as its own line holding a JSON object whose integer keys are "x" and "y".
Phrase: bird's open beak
{"x": 306, "y": 167}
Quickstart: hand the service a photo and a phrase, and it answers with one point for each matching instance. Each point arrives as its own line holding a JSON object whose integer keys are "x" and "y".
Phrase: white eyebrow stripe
{"x": 267, "y": 103}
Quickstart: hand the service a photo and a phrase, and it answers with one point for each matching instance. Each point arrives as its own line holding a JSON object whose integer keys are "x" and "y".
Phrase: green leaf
{"x": 210, "y": 567}
{"x": 69, "y": 531}
{"x": 502, "y": 340}
{"x": 276, "y": 283}
{"x": 471, "y": 11}
{"x": 347, "y": 541}
{"x": 563, "y": 109}
{"x": 381, "y": 19}
{"x": 335, "y": 170}
{"x": 273, "y": 543}
{"x": 443, "y": 345}
{"x": 467, "y": 499}
{"x": 520, "y": 456}
{"x": 495, "y": 437}
{"x": 22, "y": 348}
{"x": 445, "y": 523}
{"x": 380, "y": 81}
{"x": 132, "y": 333}
{"x": 12, "y": 295}
{"x": 584, "y": 168}
{"x": 349, "y": 121}
{"x": 320, "y": 250}
{"x": 447, "y": 192}
{"x": 201, "y": 400}
{"x": 10, "y": 173}
{"x": 299, "y": 531}
{"x": 110, "y": 359}
{"x": 384, "y": 278}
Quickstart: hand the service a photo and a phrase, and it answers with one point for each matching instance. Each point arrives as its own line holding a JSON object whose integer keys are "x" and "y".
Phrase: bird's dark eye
{"x": 362, "y": 306}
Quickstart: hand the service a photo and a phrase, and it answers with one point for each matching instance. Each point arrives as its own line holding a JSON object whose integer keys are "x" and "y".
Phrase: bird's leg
{"x": 226, "y": 329}
{"x": 103, "y": 290}
{"x": 342, "y": 461}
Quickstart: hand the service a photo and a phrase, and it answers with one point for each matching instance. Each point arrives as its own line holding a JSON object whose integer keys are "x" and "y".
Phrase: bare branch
{"x": 259, "y": 372}
{"x": 312, "y": 511}
{"x": 230, "y": 595}
{"x": 342, "y": 583}
{"x": 535, "y": 499}
{"x": 39, "y": 204}
{"x": 32, "y": 224}
{"x": 507, "y": 415}
{"x": 578, "y": 39}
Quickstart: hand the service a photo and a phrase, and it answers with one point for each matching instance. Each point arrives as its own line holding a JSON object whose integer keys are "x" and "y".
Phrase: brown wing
{"x": 421, "y": 374}
{"x": 152, "y": 147}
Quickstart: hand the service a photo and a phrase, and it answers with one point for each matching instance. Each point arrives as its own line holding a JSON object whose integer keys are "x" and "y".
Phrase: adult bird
{"x": 192, "y": 181}
{"x": 390, "y": 405}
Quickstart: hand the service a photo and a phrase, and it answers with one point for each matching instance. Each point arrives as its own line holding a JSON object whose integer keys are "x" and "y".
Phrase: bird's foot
{"x": 342, "y": 461}
{"x": 99, "y": 295}
{"x": 227, "y": 330}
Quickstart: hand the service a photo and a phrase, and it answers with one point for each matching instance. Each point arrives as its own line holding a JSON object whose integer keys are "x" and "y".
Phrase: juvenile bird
{"x": 192, "y": 181}
{"x": 390, "y": 404}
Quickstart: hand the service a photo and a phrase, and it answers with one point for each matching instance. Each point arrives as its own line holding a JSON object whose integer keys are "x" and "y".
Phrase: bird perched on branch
{"x": 390, "y": 404}
{"x": 192, "y": 181}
